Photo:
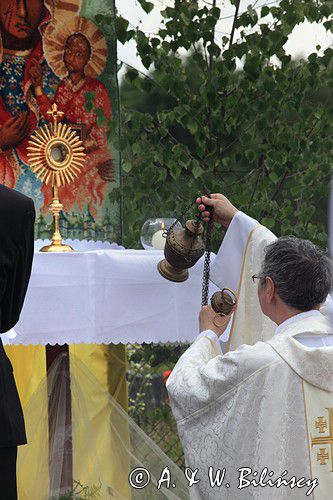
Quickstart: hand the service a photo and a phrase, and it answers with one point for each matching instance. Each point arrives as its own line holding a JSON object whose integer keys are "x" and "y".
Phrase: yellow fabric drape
{"x": 29, "y": 364}
{"x": 96, "y": 431}
{"x": 107, "y": 363}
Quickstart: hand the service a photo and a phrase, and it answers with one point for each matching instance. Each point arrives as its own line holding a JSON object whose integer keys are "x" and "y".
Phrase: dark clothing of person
{"x": 17, "y": 217}
{"x": 8, "y": 486}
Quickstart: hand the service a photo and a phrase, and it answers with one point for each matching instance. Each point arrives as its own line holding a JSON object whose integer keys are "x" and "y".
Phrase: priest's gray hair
{"x": 301, "y": 271}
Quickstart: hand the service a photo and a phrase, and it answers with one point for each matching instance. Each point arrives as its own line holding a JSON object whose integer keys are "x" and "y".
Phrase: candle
{"x": 158, "y": 241}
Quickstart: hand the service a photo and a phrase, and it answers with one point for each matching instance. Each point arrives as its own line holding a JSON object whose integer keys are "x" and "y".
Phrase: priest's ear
{"x": 266, "y": 294}
{"x": 269, "y": 289}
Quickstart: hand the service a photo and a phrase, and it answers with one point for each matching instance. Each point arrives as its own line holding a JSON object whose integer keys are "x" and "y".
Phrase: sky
{"x": 301, "y": 43}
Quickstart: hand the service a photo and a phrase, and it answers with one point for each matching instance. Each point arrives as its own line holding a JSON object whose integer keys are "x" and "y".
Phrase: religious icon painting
{"x": 54, "y": 52}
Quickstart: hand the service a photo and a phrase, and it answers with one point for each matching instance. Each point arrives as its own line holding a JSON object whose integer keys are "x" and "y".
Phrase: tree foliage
{"x": 228, "y": 113}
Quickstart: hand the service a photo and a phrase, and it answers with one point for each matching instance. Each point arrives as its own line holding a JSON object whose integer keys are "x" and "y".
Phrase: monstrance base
{"x": 172, "y": 273}
{"x": 57, "y": 248}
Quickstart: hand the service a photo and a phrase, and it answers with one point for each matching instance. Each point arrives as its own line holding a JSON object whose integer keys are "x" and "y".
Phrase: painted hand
{"x": 36, "y": 73}
{"x": 14, "y": 131}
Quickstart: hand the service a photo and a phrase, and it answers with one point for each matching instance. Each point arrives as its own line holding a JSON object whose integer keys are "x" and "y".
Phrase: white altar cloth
{"x": 107, "y": 296}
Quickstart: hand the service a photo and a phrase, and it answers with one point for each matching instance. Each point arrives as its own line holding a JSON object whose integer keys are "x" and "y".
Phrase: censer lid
{"x": 194, "y": 226}
{"x": 224, "y": 301}
{"x": 227, "y": 297}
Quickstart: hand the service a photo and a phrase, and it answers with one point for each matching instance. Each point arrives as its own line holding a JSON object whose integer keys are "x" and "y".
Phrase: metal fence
{"x": 148, "y": 401}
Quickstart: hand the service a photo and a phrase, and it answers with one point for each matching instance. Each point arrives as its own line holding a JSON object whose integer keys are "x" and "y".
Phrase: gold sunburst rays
{"x": 56, "y": 154}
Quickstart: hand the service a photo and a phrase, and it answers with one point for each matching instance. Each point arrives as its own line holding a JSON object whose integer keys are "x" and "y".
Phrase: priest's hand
{"x": 224, "y": 210}
{"x": 209, "y": 319}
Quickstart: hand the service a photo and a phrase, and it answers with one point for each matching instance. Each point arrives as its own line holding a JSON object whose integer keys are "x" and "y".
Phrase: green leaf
{"x": 214, "y": 49}
{"x": 155, "y": 42}
{"x": 268, "y": 222}
{"x": 328, "y": 25}
{"x": 121, "y": 29}
{"x": 193, "y": 127}
{"x": 265, "y": 11}
{"x": 197, "y": 171}
{"x": 126, "y": 167}
{"x": 312, "y": 57}
{"x": 274, "y": 177}
{"x": 215, "y": 12}
{"x": 147, "y": 6}
{"x": 132, "y": 74}
{"x": 146, "y": 61}
{"x": 328, "y": 54}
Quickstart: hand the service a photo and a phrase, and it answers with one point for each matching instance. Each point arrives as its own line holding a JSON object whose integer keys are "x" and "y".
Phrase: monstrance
{"x": 56, "y": 155}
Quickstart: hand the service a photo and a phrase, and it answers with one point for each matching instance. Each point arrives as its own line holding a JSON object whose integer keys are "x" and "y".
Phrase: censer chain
{"x": 206, "y": 269}
{"x": 179, "y": 218}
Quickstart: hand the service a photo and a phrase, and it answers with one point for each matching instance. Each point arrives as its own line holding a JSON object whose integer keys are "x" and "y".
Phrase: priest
{"x": 257, "y": 422}
{"x": 17, "y": 215}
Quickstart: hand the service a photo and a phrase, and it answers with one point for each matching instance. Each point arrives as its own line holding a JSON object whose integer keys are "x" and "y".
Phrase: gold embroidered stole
{"x": 319, "y": 417}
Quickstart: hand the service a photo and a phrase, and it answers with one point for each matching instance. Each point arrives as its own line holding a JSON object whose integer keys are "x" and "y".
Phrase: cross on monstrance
{"x": 323, "y": 456}
{"x": 56, "y": 156}
{"x": 56, "y": 114}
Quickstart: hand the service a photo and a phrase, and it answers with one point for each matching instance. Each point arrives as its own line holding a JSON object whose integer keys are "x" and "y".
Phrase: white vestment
{"x": 267, "y": 405}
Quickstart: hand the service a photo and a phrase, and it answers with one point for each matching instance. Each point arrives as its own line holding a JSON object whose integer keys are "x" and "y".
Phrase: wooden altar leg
{"x": 62, "y": 377}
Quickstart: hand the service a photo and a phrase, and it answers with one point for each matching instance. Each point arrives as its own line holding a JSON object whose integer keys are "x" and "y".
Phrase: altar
{"x": 106, "y": 295}
{"x": 81, "y": 310}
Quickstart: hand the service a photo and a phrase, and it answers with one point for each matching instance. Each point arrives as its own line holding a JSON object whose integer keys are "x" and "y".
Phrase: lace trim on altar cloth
{"x": 9, "y": 339}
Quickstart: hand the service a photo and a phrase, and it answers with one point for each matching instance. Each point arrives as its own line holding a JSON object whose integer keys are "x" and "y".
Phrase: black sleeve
{"x": 15, "y": 274}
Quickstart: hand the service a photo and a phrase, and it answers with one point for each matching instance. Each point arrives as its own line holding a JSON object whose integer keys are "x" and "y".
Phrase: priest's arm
{"x": 238, "y": 259}
{"x": 204, "y": 374}
{"x": 199, "y": 375}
